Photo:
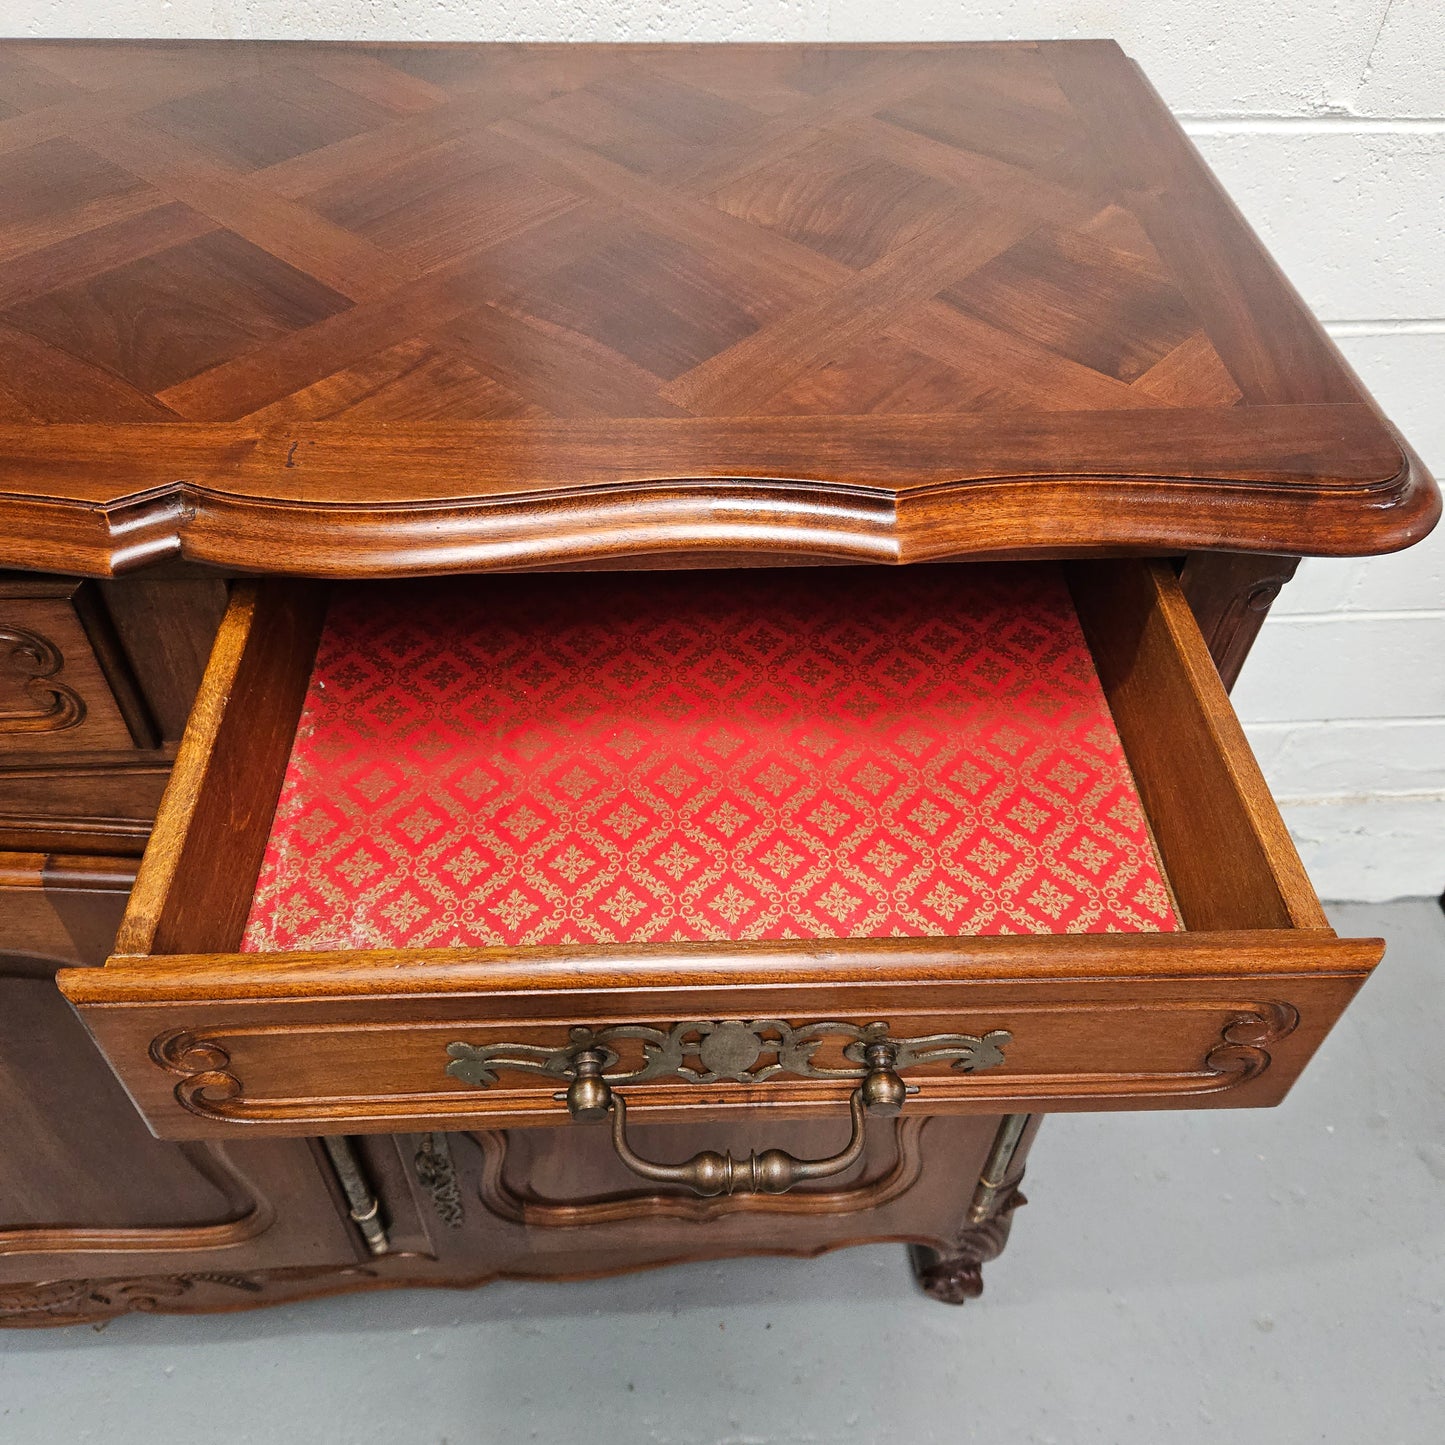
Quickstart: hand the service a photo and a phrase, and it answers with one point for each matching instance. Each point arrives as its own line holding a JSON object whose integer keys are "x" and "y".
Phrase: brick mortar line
{"x": 1341, "y": 722}
{"x": 1388, "y": 326}
{"x": 1380, "y": 795}
{"x": 1310, "y": 124}
{"x": 1373, "y": 614}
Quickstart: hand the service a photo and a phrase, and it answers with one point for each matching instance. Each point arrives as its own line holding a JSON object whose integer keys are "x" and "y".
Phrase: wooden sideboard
{"x": 276, "y": 318}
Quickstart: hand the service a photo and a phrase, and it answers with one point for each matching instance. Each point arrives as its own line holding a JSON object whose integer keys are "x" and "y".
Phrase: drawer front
{"x": 95, "y": 683}
{"x": 210, "y": 1040}
{"x": 80, "y": 804}
{"x": 61, "y": 909}
{"x": 55, "y": 695}
{"x": 997, "y": 1025}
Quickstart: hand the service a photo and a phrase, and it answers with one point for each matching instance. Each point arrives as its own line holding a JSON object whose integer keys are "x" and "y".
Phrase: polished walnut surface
{"x": 349, "y": 309}
{"x": 375, "y": 310}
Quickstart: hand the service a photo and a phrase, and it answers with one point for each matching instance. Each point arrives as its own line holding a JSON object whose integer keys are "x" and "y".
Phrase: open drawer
{"x": 1221, "y": 1004}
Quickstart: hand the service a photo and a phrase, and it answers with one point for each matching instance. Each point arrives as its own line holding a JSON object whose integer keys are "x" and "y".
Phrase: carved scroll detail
{"x": 747, "y": 1051}
{"x": 1242, "y": 1049}
{"x": 85, "y": 1301}
{"x": 37, "y": 660}
{"x": 206, "y": 1080}
{"x": 436, "y": 1171}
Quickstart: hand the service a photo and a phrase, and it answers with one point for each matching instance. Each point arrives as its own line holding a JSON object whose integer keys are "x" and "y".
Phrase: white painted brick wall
{"x": 1326, "y": 120}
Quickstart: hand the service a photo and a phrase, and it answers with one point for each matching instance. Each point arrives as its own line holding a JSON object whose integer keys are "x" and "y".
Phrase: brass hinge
{"x": 365, "y": 1207}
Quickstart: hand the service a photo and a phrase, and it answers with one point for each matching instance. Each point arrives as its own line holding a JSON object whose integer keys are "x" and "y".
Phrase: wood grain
{"x": 355, "y": 310}
{"x": 95, "y": 685}
{"x": 64, "y": 686}
{"x": 368, "y": 310}
{"x": 59, "y": 909}
{"x": 208, "y": 1038}
{"x": 211, "y": 830}
{"x": 1230, "y": 595}
{"x": 1227, "y": 1019}
{"x": 84, "y": 1188}
{"x": 492, "y": 1245}
{"x": 1228, "y": 855}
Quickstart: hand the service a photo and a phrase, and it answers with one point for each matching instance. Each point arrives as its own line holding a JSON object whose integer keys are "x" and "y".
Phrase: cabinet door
{"x": 89, "y": 1199}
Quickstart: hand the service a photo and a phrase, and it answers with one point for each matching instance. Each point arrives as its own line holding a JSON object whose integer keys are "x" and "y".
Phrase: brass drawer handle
{"x": 708, "y": 1173}
{"x": 705, "y": 1051}
{"x": 774, "y": 1171}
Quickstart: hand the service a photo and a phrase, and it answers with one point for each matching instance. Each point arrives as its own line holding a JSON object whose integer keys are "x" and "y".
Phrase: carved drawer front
{"x": 56, "y": 695}
{"x": 331, "y": 932}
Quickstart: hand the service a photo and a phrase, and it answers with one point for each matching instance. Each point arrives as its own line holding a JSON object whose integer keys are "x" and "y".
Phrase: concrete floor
{"x": 1273, "y": 1276}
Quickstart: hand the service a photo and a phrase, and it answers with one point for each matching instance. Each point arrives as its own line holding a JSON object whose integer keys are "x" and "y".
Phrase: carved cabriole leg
{"x": 955, "y": 1275}
{"x": 1231, "y": 594}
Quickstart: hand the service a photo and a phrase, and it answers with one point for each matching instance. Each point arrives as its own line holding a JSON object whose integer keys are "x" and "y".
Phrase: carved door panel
{"x": 87, "y": 1193}
{"x": 557, "y": 1202}
{"x": 96, "y": 1215}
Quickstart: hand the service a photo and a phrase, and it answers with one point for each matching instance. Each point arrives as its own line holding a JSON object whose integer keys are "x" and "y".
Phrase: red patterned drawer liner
{"x": 824, "y": 753}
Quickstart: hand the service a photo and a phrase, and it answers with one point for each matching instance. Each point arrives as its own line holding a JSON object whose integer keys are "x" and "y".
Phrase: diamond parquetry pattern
{"x": 285, "y": 234}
